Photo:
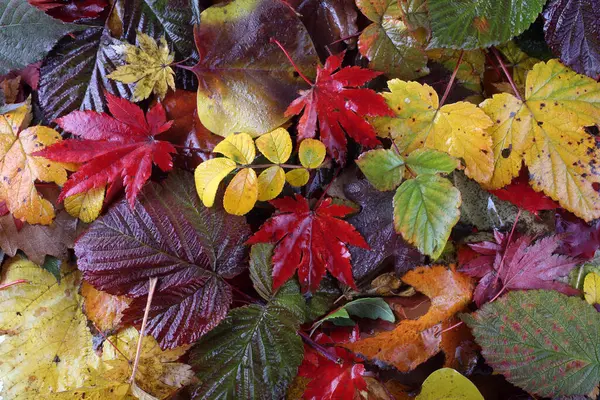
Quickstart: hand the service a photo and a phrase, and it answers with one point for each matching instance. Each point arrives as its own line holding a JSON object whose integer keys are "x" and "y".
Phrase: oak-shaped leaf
{"x": 517, "y": 265}
{"x": 540, "y": 340}
{"x": 168, "y": 234}
{"x": 339, "y": 105}
{"x": 311, "y": 241}
{"x": 111, "y": 147}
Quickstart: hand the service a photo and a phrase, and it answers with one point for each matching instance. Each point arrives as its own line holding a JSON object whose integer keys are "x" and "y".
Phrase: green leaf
{"x": 323, "y": 299}
{"x": 368, "y": 307}
{"x": 472, "y": 24}
{"x": 388, "y": 42}
{"x": 52, "y": 265}
{"x": 542, "y": 341}
{"x": 448, "y": 384}
{"x": 428, "y": 161}
{"x": 27, "y": 34}
{"x": 384, "y": 168}
{"x": 425, "y": 210}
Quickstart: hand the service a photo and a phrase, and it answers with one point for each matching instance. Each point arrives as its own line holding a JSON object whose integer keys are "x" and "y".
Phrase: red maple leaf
{"x": 111, "y": 146}
{"x": 518, "y": 265}
{"x": 330, "y": 380}
{"x": 521, "y": 194}
{"x": 310, "y": 241}
{"x": 338, "y": 103}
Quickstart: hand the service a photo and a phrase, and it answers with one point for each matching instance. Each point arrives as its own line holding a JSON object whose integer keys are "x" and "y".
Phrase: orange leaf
{"x": 103, "y": 309}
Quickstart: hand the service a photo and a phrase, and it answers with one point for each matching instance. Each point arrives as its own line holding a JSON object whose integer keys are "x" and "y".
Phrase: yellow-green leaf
{"x": 384, "y": 168}
{"x": 85, "y": 206}
{"x": 297, "y": 177}
{"x": 148, "y": 66}
{"x": 270, "y": 183}
{"x": 238, "y": 147}
{"x": 448, "y": 384}
{"x": 546, "y": 131}
{"x": 427, "y": 161}
{"x": 518, "y": 61}
{"x": 209, "y": 175}
{"x": 241, "y": 193}
{"x": 458, "y": 129}
{"x": 311, "y": 153}
{"x": 591, "y": 288}
{"x": 275, "y": 145}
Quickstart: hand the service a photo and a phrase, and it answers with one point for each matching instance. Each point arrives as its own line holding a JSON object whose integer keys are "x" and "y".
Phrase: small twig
{"x": 273, "y": 40}
{"x": 9, "y": 284}
{"x": 111, "y": 343}
{"x": 487, "y": 56}
{"x": 190, "y": 148}
{"x": 320, "y": 349}
{"x": 452, "y": 78}
{"x": 179, "y": 62}
{"x": 345, "y": 38}
{"x": 143, "y": 328}
{"x": 450, "y": 328}
{"x": 506, "y": 73}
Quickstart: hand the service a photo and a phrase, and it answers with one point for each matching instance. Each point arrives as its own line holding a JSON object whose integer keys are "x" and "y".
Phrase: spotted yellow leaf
{"x": 238, "y": 147}
{"x": 241, "y": 193}
{"x": 276, "y": 145}
{"x": 297, "y": 177}
{"x": 458, "y": 129}
{"x": 311, "y": 153}
{"x": 591, "y": 288}
{"x": 270, "y": 183}
{"x": 87, "y": 205}
{"x": 546, "y": 130}
{"x": 209, "y": 175}
{"x": 148, "y": 66}
{"x": 19, "y": 170}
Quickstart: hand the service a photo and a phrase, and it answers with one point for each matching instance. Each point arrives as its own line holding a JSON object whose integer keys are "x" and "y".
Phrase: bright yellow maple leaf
{"x": 148, "y": 66}
{"x": 546, "y": 131}
{"x": 458, "y": 129}
{"x": 19, "y": 169}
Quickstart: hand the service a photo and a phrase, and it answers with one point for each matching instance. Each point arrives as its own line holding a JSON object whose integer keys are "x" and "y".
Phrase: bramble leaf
{"x": 384, "y": 168}
{"x": 85, "y": 206}
{"x": 428, "y": 161}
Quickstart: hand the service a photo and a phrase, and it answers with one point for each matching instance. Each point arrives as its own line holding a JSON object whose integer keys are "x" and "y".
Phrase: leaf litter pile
{"x": 300, "y": 199}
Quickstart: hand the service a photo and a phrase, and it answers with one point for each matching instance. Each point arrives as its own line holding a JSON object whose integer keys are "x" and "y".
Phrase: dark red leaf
{"x": 328, "y": 380}
{"x": 518, "y": 265}
{"x": 169, "y": 235}
{"x": 579, "y": 239}
{"x": 71, "y": 10}
{"x": 121, "y": 145}
{"x": 309, "y": 241}
{"x": 520, "y": 193}
{"x": 338, "y": 104}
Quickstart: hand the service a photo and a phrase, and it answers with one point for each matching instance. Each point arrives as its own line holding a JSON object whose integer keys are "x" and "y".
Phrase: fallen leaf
{"x": 103, "y": 309}
{"x": 71, "y": 10}
{"x": 520, "y": 193}
{"x": 591, "y": 288}
{"x": 579, "y": 239}
{"x": 85, "y": 206}
{"x": 446, "y": 383}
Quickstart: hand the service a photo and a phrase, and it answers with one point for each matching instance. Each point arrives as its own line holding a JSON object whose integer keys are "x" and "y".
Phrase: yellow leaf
{"x": 311, "y": 153}
{"x": 19, "y": 169}
{"x": 270, "y": 183}
{"x": 546, "y": 131}
{"x": 448, "y": 384}
{"x": 276, "y": 145}
{"x": 459, "y": 129}
{"x": 297, "y": 177}
{"x": 237, "y": 147}
{"x": 209, "y": 175}
{"x": 147, "y": 66}
{"x": 241, "y": 193}
{"x": 591, "y": 288}
{"x": 85, "y": 206}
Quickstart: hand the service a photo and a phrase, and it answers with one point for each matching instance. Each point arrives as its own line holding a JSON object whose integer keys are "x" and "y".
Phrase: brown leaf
{"x": 103, "y": 309}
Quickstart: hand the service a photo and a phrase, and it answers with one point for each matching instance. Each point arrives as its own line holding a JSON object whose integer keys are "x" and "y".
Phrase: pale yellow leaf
{"x": 591, "y": 288}
{"x": 241, "y": 193}
{"x": 311, "y": 153}
{"x": 275, "y": 145}
{"x": 209, "y": 175}
{"x": 238, "y": 147}
{"x": 297, "y": 177}
{"x": 87, "y": 205}
{"x": 270, "y": 183}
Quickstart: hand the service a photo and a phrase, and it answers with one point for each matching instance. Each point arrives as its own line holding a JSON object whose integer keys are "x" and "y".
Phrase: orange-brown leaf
{"x": 103, "y": 309}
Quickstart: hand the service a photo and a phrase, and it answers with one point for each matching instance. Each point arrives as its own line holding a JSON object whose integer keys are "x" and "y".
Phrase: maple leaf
{"x": 330, "y": 380}
{"x": 147, "y": 66}
{"x": 518, "y": 264}
{"x": 123, "y": 145}
{"x": 338, "y": 104}
{"x": 310, "y": 241}
{"x": 21, "y": 166}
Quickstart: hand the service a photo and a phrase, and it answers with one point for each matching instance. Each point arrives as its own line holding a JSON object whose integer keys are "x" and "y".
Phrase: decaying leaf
{"x": 103, "y": 309}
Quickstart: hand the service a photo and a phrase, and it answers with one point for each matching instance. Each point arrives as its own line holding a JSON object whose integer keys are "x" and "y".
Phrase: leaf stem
{"x": 320, "y": 349}
{"x": 506, "y": 73}
{"x": 9, "y": 284}
{"x": 258, "y": 166}
{"x": 345, "y": 38}
{"x": 273, "y": 40}
{"x": 111, "y": 343}
{"x": 138, "y": 351}
{"x": 504, "y": 284}
{"x": 452, "y": 78}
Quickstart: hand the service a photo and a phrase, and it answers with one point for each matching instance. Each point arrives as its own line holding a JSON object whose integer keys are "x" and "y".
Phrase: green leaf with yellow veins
{"x": 270, "y": 183}
{"x": 209, "y": 175}
{"x": 384, "y": 168}
{"x": 427, "y": 161}
{"x": 448, "y": 384}
{"x": 426, "y": 209}
{"x": 148, "y": 66}
{"x": 238, "y": 147}
{"x": 518, "y": 61}
{"x": 388, "y": 43}
{"x": 311, "y": 153}
{"x": 458, "y": 129}
{"x": 546, "y": 131}
{"x": 276, "y": 145}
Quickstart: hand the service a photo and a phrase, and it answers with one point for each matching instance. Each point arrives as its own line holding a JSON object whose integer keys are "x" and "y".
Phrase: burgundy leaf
{"x": 580, "y": 239}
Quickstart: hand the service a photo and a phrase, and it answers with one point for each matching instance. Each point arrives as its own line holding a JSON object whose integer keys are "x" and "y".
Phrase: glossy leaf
{"x": 241, "y": 193}
{"x": 426, "y": 209}
{"x": 540, "y": 340}
{"x": 458, "y": 129}
{"x": 545, "y": 131}
{"x": 591, "y": 288}
{"x": 311, "y": 153}
{"x": 85, "y": 206}
{"x": 297, "y": 177}
{"x": 384, "y": 168}
{"x": 520, "y": 193}
{"x": 191, "y": 249}
{"x": 270, "y": 183}
{"x": 368, "y": 307}
{"x": 72, "y": 10}
{"x": 246, "y": 88}
{"x": 446, "y": 383}
{"x": 239, "y": 148}
{"x": 275, "y": 145}
{"x": 209, "y": 175}
{"x": 309, "y": 241}
{"x": 472, "y": 24}
{"x": 427, "y": 161}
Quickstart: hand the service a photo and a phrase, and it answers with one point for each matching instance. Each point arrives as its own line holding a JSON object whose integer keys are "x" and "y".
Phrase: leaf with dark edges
{"x": 169, "y": 235}
{"x": 71, "y": 10}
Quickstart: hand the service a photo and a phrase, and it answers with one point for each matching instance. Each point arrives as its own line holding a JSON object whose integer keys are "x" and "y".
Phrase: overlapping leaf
{"x": 519, "y": 193}
{"x": 170, "y": 235}
{"x": 72, "y": 10}
{"x": 447, "y": 383}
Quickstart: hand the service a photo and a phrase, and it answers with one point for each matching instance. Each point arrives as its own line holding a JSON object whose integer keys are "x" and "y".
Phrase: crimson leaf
{"x": 310, "y": 241}
{"x": 169, "y": 235}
